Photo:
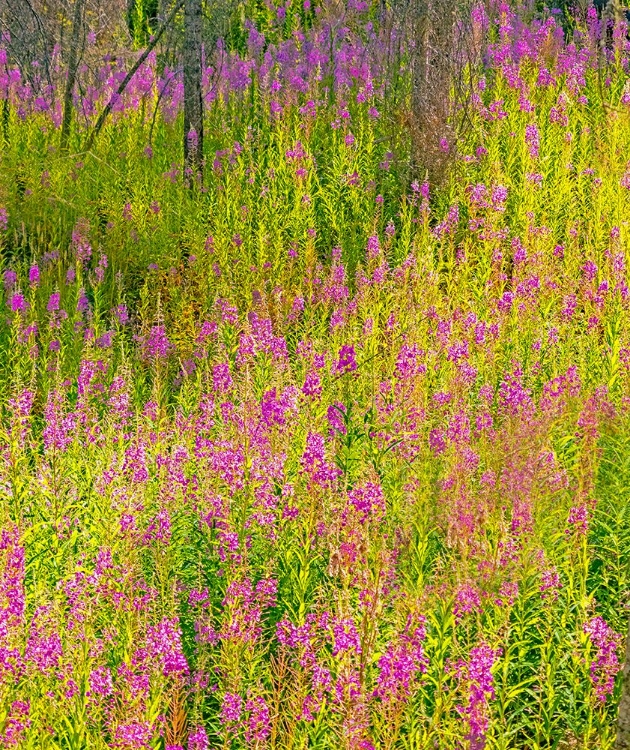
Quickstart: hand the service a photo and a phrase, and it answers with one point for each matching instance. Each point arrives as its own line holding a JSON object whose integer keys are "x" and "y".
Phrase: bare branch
{"x": 133, "y": 70}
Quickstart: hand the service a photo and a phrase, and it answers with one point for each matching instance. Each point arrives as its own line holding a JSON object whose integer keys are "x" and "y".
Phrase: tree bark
{"x": 73, "y": 64}
{"x": 193, "y": 98}
{"x": 623, "y": 719}
{"x": 5, "y": 121}
{"x": 131, "y": 19}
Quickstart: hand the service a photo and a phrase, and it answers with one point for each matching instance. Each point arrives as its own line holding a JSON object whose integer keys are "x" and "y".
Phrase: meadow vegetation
{"x": 319, "y": 452}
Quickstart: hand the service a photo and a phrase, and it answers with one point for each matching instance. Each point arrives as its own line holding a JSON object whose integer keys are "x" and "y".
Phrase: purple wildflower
{"x": 231, "y": 709}
{"x": 165, "y": 646}
{"x": 259, "y": 721}
{"x": 347, "y": 360}
{"x": 155, "y": 344}
{"x": 399, "y": 666}
{"x": 198, "y": 739}
{"x": 477, "y": 675}
{"x": 466, "y": 601}
{"x": 605, "y": 662}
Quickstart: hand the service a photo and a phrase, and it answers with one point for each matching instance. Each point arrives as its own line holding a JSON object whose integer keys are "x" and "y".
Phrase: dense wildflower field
{"x": 314, "y": 455}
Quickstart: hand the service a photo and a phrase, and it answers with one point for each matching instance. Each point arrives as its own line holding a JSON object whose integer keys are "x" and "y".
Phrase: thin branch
{"x": 134, "y": 69}
{"x": 44, "y": 38}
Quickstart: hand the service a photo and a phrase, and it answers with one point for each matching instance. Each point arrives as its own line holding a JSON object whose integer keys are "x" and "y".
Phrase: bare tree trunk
{"x": 131, "y": 19}
{"x": 5, "y": 121}
{"x": 420, "y": 78}
{"x": 193, "y": 99}
{"x": 73, "y": 64}
{"x": 623, "y": 720}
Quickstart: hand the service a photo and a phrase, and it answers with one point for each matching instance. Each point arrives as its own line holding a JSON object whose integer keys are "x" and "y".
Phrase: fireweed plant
{"x": 302, "y": 458}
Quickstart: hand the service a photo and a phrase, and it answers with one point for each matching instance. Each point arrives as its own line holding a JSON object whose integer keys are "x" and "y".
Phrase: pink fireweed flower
{"x": 605, "y": 661}
{"x": 198, "y": 739}
{"x": 312, "y": 385}
{"x": 314, "y": 461}
{"x": 59, "y": 424}
{"x": 43, "y": 650}
{"x": 12, "y": 595}
{"x": 532, "y": 139}
{"x": 337, "y": 319}
{"x": 294, "y": 636}
{"x": 207, "y": 330}
{"x": 20, "y": 408}
{"x": 80, "y": 242}
{"x": 298, "y": 305}
{"x": 466, "y": 601}
{"x": 450, "y": 223}
{"x": 476, "y": 674}
{"x": 508, "y": 594}
{"x": 478, "y": 195}
{"x": 259, "y": 721}
{"x": 100, "y": 682}
{"x": 10, "y": 279}
{"x": 99, "y": 272}
{"x": 261, "y": 340}
{"x": 159, "y": 528}
{"x": 549, "y": 584}
{"x": 164, "y": 643}
{"x": 274, "y": 409}
{"x": 408, "y": 364}
{"x": 135, "y": 735}
{"x": 347, "y": 361}
{"x": 513, "y": 397}
{"x": 459, "y": 350}
{"x": 499, "y": 197}
{"x": 437, "y": 441}
{"x": 17, "y": 303}
{"x": 53, "y": 302}
{"x": 245, "y": 604}
{"x": 335, "y": 415}
{"x": 402, "y": 662}
{"x": 570, "y": 306}
{"x": 368, "y": 501}
{"x": 577, "y": 521}
{"x": 321, "y": 684}
{"x": 373, "y": 246}
{"x": 15, "y": 724}
{"x": 345, "y": 637}
{"x": 221, "y": 378}
{"x": 589, "y": 269}
{"x": 83, "y": 304}
{"x": 155, "y": 345}
{"x": 231, "y": 709}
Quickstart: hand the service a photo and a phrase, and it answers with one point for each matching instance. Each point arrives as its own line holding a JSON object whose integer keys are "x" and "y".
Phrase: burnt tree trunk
{"x": 73, "y": 65}
{"x": 5, "y": 121}
{"x": 131, "y": 19}
{"x": 193, "y": 99}
{"x": 623, "y": 720}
